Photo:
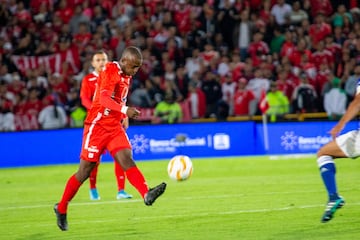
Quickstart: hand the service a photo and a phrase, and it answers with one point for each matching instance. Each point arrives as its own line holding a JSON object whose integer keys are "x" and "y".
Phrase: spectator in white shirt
{"x": 259, "y": 83}
{"x": 7, "y": 118}
{"x": 335, "y": 100}
{"x": 280, "y": 12}
{"x": 52, "y": 116}
{"x": 228, "y": 88}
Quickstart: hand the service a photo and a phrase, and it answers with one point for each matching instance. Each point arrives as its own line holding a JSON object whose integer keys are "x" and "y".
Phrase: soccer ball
{"x": 180, "y": 168}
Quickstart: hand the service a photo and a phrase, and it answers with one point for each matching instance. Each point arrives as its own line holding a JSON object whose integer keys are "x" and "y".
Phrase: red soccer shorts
{"x": 97, "y": 139}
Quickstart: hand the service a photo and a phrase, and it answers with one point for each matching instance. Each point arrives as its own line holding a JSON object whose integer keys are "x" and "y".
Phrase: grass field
{"x": 230, "y": 198}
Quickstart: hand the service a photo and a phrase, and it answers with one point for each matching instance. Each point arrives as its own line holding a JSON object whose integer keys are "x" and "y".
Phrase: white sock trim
{"x": 322, "y": 160}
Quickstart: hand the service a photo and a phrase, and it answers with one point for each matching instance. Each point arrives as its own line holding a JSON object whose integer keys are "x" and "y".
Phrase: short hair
{"x": 98, "y": 52}
{"x": 132, "y": 52}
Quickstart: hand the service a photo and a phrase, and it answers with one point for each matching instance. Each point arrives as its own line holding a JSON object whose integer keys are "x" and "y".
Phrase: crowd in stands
{"x": 202, "y": 59}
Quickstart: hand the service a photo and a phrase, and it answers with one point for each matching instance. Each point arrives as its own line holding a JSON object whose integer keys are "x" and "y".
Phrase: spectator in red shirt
{"x": 244, "y": 99}
{"x": 319, "y": 30}
{"x": 209, "y": 55}
{"x": 59, "y": 86}
{"x": 288, "y": 46}
{"x": 321, "y": 79}
{"x": 83, "y": 37}
{"x": 182, "y": 16}
{"x": 36, "y": 5}
{"x": 334, "y": 48}
{"x": 258, "y": 48}
{"x": 141, "y": 19}
{"x": 319, "y": 6}
{"x": 47, "y": 34}
{"x": 298, "y": 52}
{"x": 285, "y": 84}
{"x": 322, "y": 55}
{"x": 64, "y": 11}
{"x": 22, "y": 15}
{"x": 16, "y": 85}
{"x": 31, "y": 110}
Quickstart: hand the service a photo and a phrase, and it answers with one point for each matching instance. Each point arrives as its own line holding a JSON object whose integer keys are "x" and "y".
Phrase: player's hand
{"x": 335, "y": 131}
{"x": 125, "y": 123}
{"x": 132, "y": 112}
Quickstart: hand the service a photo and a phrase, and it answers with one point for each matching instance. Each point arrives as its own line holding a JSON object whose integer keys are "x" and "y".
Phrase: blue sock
{"x": 328, "y": 172}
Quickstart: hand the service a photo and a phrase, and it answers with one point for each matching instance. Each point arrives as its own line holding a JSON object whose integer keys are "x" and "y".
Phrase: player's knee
{"x": 85, "y": 169}
{"x": 124, "y": 158}
{"x": 322, "y": 151}
{"x": 127, "y": 162}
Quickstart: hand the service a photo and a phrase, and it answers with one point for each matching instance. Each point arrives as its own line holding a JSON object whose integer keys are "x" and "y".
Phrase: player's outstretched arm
{"x": 352, "y": 110}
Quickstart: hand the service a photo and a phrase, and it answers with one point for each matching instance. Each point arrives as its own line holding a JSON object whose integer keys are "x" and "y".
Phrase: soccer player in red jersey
{"x": 87, "y": 91}
{"x": 103, "y": 131}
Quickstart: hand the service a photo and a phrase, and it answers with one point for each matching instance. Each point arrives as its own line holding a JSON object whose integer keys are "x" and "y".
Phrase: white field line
{"x": 199, "y": 214}
{"x": 129, "y": 201}
{"x": 291, "y": 156}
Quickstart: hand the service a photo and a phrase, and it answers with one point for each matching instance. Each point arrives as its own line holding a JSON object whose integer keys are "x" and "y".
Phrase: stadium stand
{"x": 45, "y": 50}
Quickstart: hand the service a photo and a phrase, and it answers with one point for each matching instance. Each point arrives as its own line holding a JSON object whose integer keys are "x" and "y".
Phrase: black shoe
{"x": 61, "y": 219}
{"x": 154, "y": 193}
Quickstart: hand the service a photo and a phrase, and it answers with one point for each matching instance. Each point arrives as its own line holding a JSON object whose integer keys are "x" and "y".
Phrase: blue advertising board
{"x": 40, "y": 147}
{"x": 164, "y": 141}
{"x": 196, "y": 140}
{"x": 149, "y": 142}
{"x": 297, "y": 137}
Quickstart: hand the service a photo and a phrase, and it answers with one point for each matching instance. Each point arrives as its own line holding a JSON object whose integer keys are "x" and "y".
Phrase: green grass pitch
{"x": 226, "y": 198}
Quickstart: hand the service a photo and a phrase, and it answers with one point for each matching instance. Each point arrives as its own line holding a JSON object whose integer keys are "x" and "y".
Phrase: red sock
{"x": 120, "y": 176}
{"x": 92, "y": 177}
{"x": 71, "y": 188}
{"x": 136, "y": 178}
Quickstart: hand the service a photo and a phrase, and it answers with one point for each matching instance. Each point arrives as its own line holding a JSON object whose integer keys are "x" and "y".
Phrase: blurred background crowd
{"x": 202, "y": 59}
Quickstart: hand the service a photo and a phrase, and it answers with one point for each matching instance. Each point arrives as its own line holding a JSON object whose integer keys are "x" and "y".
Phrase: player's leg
{"x": 327, "y": 167}
{"x": 120, "y": 180}
{"x": 120, "y": 148}
{"x": 136, "y": 178}
{"x": 91, "y": 150}
{"x": 326, "y": 164}
{"x": 94, "y": 195}
{"x": 71, "y": 188}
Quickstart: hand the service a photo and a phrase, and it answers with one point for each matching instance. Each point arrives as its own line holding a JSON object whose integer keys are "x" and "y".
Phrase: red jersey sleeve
{"x": 86, "y": 93}
{"x": 110, "y": 78}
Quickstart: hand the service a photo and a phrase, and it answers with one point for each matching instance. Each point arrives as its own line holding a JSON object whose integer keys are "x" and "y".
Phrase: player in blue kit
{"x": 346, "y": 145}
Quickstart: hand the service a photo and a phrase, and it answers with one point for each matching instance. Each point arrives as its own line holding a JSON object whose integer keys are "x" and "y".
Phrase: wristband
{"x": 124, "y": 109}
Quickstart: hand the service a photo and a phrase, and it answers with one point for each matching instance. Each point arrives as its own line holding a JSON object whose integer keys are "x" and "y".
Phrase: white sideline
{"x": 202, "y": 214}
{"x": 127, "y": 201}
{"x": 291, "y": 156}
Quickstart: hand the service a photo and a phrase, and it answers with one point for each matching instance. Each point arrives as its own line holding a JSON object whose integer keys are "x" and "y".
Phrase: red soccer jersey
{"x": 242, "y": 99}
{"x": 87, "y": 91}
{"x": 33, "y": 107}
{"x": 320, "y": 57}
{"x": 182, "y": 19}
{"x": 287, "y": 48}
{"x": 106, "y": 110}
{"x": 65, "y": 14}
{"x": 318, "y": 32}
{"x": 296, "y": 55}
{"x": 287, "y": 87}
{"x": 323, "y": 6}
